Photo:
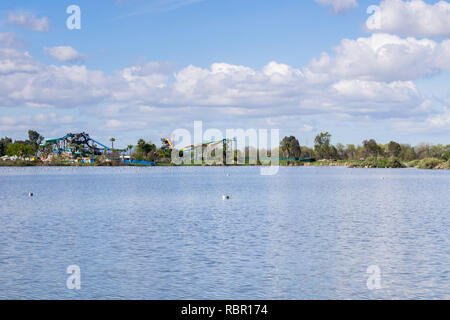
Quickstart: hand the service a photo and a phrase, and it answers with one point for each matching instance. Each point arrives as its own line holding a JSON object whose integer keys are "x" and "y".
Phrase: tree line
{"x": 324, "y": 149}
{"x": 290, "y": 148}
{"x": 19, "y": 148}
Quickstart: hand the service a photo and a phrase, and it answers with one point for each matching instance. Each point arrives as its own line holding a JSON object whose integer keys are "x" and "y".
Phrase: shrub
{"x": 394, "y": 163}
{"x": 413, "y": 164}
{"x": 446, "y": 156}
{"x": 428, "y": 163}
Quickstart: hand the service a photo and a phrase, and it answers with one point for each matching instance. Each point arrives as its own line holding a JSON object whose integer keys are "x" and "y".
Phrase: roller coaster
{"x": 76, "y": 143}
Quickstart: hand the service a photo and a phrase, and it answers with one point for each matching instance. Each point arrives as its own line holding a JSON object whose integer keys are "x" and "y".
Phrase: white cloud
{"x": 13, "y": 61}
{"x": 413, "y": 18}
{"x": 28, "y": 21}
{"x": 8, "y": 39}
{"x": 275, "y": 89}
{"x": 149, "y": 93}
{"x": 23, "y": 81}
{"x": 231, "y": 85}
{"x": 376, "y": 91}
{"x": 339, "y": 6}
{"x": 38, "y": 121}
{"x": 436, "y": 123}
{"x": 64, "y": 54}
{"x": 382, "y": 57}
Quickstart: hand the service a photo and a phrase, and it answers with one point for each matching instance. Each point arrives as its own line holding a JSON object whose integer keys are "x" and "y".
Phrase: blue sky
{"x": 145, "y": 68}
{"x": 246, "y": 32}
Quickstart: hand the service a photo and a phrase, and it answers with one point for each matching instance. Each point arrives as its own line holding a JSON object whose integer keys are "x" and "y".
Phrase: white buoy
{"x": 225, "y": 197}
{"x": 30, "y": 194}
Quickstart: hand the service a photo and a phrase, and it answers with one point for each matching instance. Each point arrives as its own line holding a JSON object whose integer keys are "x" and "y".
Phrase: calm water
{"x": 166, "y": 233}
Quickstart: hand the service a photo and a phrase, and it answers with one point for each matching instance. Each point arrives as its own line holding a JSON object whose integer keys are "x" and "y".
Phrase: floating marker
{"x": 30, "y": 194}
{"x": 224, "y": 197}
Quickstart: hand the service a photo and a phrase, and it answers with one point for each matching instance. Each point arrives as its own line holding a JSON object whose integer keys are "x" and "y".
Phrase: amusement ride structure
{"x": 82, "y": 145}
{"x": 198, "y": 149}
{"x": 76, "y": 143}
{"x": 168, "y": 144}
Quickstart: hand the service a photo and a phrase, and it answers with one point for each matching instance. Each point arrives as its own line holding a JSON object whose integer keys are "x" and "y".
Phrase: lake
{"x": 166, "y": 233}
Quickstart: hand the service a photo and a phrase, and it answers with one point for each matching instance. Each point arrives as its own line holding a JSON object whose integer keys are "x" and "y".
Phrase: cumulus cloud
{"x": 382, "y": 57}
{"x": 13, "y": 61}
{"x": 27, "y": 82}
{"x": 225, "y": 84}
{"x": 411, "y": 18}
{"x": 276, "y": 89}
{"x": 63, "y": 87}
{"x": 376, "y": 91}
{"x": 436, "y": 123}
{"x": 357, "y": 82}
{"x": 28, "y": 21}
{"x": 64, "y": 54}
{"x": 339, "y": 6}
{"x": 38, "y": 121}
{"x": 7, "y": 39}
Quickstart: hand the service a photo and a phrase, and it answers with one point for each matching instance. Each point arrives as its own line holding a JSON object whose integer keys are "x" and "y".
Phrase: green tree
{"x": 165, "y": 152}
{"x": 322, "y": 146}
{"x": 437, "y": 151}
{"x": 446, "y": 155}
{"x": 341, "y": 152}
{"x": 394, "y": 149}
{"x": 407, "y": 153}
{"x": 371, "y": 148}
{"x": 351, "y": 151}
{"x": 145, "y": 150}
{"x": 112, "y": 143}
{"x": 20, "y": 150}
{"x": 4, "y": 142}
{"x": 422, "y": 151}
{"x": 35, "y": 139}
{"x": 130, "y": 148}
{"x": 290, "y": 147}
{"x": 307, "y": 152}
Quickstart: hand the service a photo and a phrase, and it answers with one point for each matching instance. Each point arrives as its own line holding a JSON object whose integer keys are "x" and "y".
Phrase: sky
{"x": 144, "y": 68}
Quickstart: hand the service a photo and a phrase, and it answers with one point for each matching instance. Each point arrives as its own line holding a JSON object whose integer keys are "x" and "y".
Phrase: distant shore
{"x": 427, "y": 163}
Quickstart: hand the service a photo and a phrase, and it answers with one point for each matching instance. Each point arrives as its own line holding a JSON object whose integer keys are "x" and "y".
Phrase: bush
{"x": 394, "y": 163}
{"x": 389, "y": 163}
{"x": 446, "y": 156}
{"x": 428, "y": 163}
{"x": 413, "y": 164}
{"x": 377, "y": 163}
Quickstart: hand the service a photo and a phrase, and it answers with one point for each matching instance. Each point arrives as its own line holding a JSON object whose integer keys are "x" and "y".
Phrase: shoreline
{"x": 428, "y": 163}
